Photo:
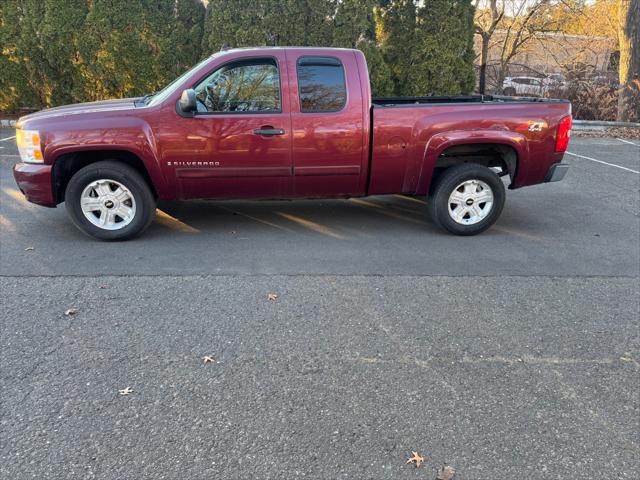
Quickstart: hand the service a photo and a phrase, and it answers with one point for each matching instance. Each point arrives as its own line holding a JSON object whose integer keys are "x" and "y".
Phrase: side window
{"x": 321, "y": 84}
{"x": 243, "y": 86}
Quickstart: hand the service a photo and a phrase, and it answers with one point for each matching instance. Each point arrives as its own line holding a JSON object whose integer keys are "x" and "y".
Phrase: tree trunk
{"x": 501, "y": 74}
{"x": 484, "y": 56}
{"x": 629, "y": 72}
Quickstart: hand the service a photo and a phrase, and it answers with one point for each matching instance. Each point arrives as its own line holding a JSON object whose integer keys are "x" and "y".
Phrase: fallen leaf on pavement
{"x": 28, "y": 249}
{"x": 71, "y": 311}
{"x": 446, "y": 473}
{"x": 125, "y": 391}
{"x": 103, "y": 286}
{"x": 415, "y": 458}
{"x": 208, "y": 359}
{"x": 626, "y": 357}
{"x": 272, "y": 296}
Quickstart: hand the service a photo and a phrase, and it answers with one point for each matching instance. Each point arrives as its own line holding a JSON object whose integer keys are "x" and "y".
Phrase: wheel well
{"x": 67, "y": 165}
{"x": 492, "y": 155}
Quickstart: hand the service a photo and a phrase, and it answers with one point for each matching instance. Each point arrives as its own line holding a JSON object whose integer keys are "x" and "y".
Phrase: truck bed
{"x": 410, "y": 133}
{"x": 402, "y": 101}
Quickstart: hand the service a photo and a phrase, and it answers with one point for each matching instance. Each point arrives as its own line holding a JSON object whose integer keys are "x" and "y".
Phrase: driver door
{"x": 239, "y": 142}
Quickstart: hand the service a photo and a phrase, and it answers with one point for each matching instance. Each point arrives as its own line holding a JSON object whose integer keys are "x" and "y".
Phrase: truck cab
{"x": 282, "y": 123}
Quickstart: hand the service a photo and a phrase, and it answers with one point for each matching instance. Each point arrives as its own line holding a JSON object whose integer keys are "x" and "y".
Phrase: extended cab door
{"x": 238, "y": 144}
{"x": 327, "y": 117}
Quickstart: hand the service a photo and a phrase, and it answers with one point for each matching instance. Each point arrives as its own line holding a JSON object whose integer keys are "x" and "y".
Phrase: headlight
{"x": 29, "y": 146}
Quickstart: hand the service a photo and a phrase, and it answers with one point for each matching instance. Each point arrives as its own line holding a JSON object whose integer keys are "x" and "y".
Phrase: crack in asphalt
{"x": 497, "y": 359}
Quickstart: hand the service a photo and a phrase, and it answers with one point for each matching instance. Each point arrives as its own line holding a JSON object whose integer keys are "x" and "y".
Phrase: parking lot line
{"x": 167, "y": 220}
{"x": 259, "y": 220}
{"x": 16, "y": 195}
{"x": 627, "y": 141}
{"x": 316, "y": 227}
{"x": 383, "y": 210}
{"x": 411, "y": 199}
{"x": 6, "y": 139}
{"x": 604, "y": 163}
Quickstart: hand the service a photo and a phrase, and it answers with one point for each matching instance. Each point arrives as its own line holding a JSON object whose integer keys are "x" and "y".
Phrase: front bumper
{"x": 556, "y": 172}
{"x": 35, "y": 182}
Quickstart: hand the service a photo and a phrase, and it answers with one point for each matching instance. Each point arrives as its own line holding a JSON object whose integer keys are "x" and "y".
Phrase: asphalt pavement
{"x": 514, "y": 354}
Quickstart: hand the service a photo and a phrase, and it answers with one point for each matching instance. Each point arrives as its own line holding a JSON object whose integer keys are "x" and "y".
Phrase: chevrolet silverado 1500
{"x": 286, "y": 123}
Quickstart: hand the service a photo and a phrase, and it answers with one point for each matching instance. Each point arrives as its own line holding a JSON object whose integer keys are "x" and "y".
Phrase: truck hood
{"x": 80, "y": 108}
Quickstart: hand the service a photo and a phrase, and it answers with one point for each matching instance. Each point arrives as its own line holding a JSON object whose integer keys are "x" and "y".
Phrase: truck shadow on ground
{"x": 336, "y": 218}
{"x": 339, "y": 219}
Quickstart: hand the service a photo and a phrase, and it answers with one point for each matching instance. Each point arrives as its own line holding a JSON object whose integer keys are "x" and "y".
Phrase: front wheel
{"x": 467, "y": 199}
{"x": 110, "y": 201}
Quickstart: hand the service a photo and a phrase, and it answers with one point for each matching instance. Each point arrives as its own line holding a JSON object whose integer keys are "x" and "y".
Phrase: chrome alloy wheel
{"x": 108, "y": 204}
{"x": 470, "y": 202}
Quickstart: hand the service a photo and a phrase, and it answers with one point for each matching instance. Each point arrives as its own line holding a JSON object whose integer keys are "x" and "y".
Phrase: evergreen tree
{"x": 429, "y": 49}
{"x": 234, "y": 23}
{"x": 306, "y": 22}
{"x": 180, "y": 46}
{"x": 353, "y": 23}
{"x": 22, "y": 78}
{"x": 339, "y": 23}
{"x": 241, "y": 23}
{"x": 189, "y": 31}
{"x": 396, "y": 30}
{"x": 443, "y": 54}
{"x": 59, "y": 36}
{"x": 62, "y": 51}
{"x": 380, "y": 73}
{"x": 354, "y": 26}
{"x": 116, "y": 60}
{"x": 133, "y": 48}
{"x": 12, "y": 72}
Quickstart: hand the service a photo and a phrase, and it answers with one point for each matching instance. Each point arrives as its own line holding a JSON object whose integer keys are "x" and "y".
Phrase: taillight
{"x": 563, "y": 135}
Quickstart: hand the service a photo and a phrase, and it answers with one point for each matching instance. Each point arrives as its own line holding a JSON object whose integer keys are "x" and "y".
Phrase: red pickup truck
{"x": 286, "y": 123}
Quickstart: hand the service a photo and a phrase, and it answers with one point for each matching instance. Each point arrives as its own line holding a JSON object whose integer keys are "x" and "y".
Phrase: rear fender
{"x": 440, "y": 142}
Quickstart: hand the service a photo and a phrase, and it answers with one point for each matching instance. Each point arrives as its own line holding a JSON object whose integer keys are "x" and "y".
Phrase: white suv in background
{"x": 532, "y": 86}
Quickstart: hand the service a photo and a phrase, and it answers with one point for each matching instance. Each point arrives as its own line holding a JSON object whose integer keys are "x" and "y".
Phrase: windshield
{"x": 167, "y": 91}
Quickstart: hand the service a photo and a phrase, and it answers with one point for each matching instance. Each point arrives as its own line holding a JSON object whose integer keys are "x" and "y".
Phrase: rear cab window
{"x": 321, "y": 84}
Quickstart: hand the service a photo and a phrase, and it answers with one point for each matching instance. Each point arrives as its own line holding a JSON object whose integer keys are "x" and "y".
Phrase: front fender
{"x": 438, "y": 143}
{"x": 126, "y": 134}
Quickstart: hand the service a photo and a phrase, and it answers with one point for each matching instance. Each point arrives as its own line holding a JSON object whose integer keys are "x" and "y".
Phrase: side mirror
{"x": 187, "y": 101}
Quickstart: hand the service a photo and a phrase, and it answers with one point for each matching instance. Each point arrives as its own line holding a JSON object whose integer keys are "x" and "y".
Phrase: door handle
{"x": 269, "y": 131}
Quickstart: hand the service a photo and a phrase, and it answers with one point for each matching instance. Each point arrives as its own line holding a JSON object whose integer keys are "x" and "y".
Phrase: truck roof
{"x": 292, "y": 47}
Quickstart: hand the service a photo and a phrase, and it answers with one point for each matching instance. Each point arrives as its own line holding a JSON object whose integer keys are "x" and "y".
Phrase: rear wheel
{"x": 467, "y": 199}
{"x": 109, "y": 201}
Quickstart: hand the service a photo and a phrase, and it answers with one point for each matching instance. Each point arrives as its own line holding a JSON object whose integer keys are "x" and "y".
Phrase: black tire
{"x": 510, "y": 91}
{"x": 145, "y": 203}
{"x": 438, "y": 204}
